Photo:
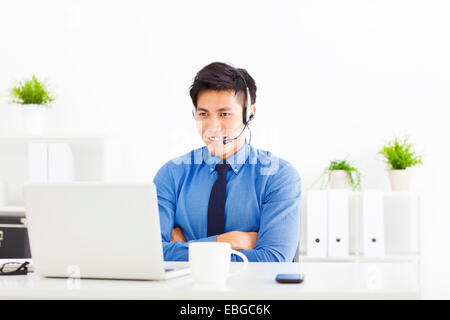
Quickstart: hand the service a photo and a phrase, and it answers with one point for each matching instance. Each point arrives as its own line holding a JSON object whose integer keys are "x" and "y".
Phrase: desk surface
{"x": 331, "y": 280}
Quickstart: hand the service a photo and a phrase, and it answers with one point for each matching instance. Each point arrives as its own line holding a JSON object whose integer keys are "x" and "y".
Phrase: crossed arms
{"x": 237, "y": 239}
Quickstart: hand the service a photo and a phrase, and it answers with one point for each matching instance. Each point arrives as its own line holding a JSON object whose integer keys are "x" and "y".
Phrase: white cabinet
{"x": 48, "y": 158}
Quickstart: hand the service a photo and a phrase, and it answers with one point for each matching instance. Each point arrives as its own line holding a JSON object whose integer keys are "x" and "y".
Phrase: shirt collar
{"x": 236, "y": 160}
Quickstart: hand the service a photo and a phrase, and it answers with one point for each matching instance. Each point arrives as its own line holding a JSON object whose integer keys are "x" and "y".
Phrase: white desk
{"x": 334, "y": 280}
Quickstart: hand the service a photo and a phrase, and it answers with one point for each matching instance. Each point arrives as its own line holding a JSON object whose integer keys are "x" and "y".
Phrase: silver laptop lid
{"x": 95, "y": 229}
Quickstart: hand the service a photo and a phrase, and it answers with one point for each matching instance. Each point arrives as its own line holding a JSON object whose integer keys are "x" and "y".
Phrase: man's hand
{"x": 177, "y": 235}
{"x": 239, "y": 240}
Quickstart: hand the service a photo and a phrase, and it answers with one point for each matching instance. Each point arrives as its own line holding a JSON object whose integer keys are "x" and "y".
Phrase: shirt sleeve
{"x": 279, "y": 232}
{"x": 166, "y": 191}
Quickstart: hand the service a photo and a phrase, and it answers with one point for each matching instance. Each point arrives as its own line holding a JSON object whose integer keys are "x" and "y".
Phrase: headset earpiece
{"x": 252, "y": 116}
{"x": 249, "y": 115}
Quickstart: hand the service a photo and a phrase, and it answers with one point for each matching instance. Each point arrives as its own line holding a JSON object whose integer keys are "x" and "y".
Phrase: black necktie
{"x": 216, "y": 206}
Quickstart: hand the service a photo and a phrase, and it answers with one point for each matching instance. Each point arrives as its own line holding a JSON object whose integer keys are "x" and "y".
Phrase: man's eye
{"x": 202, "y": 114}
{"x": 225, "y": 114}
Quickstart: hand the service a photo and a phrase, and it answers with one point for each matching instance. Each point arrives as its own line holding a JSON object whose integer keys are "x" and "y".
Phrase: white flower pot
{"x": 339, "y": 179}
{"x": 33, "y": 117}
{"x": 400, "y": 179}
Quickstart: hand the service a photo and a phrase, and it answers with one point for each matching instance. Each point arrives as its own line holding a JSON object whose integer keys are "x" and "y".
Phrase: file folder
{"x": 316, "y": 221}
{"x": 60, "y": 163}
{"x": 354, "y": 202}
{"x": 37, "y": 162}
{"x": 338, "y": 223}
{"x": 372, "y": 222}
{"x": 401, "y": 217}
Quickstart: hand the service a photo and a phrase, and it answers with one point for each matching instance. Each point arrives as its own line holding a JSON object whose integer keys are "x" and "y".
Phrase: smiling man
{"x": 228, "y": 190}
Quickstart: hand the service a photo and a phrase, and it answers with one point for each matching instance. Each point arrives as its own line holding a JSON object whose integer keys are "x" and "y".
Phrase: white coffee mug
{"x": 210, "y": 262}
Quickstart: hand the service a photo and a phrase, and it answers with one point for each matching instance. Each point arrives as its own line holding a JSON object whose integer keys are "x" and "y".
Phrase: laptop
{"x": 97, "y": 230}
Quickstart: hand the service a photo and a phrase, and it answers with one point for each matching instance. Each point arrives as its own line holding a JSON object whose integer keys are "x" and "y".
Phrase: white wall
{"x": 335, "y": 79}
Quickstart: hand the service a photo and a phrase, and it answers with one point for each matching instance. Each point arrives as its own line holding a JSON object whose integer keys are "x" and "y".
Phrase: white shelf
{"x": 353, "y": 258}
{"x": 12, "y": 211}
{"x": 50, "y": 137}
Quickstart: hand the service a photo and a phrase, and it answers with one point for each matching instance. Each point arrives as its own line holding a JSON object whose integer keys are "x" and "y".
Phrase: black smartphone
{"x": 289, "y": 278}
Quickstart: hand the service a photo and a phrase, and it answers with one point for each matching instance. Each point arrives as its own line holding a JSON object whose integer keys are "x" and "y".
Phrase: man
{"x": 228, "y": 191}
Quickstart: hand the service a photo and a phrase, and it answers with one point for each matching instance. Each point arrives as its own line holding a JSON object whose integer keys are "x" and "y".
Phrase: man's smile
{"x": 216, "y": 138}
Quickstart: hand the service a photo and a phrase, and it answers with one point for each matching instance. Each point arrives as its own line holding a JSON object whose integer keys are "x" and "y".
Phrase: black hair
{"x": 222, "y": 76}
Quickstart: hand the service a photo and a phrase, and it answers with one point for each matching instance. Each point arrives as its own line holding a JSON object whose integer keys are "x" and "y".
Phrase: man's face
{"x": 219, "y": 116}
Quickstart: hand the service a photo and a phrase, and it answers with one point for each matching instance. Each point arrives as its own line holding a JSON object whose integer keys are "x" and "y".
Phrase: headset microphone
{"x": 248, "y": 113}
{"x": 230, "y": 140}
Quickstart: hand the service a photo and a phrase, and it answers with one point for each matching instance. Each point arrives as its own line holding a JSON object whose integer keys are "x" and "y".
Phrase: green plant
{"x": 31, "y": 91}
{"x": 399, "y": 154}
{"x": 353, "y": 173}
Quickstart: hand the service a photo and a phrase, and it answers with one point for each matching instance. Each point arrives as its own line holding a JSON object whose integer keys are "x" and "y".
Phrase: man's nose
{"x": 213, "y": 123}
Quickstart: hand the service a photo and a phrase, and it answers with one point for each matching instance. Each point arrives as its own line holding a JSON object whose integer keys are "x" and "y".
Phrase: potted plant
{"x": 341, "y": 175}
{"x": 34, "y": 97}
{"x": 399, "y": 155}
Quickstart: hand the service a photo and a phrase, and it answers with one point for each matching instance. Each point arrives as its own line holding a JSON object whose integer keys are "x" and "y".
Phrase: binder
{"x": 338, "y": 223}
{"x": 372, "y": 222}
{"x": 316, "y": 220}
{"x": 60, "y": 163}
{"x": 354, "y": 203}
{"x": 401, "y": 217}
{"x": 37, "y": 162}
{"x": 14, "y": 241}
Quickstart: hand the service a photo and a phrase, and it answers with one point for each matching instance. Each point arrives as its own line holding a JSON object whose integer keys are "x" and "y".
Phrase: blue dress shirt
{"x": 262, "y": 195}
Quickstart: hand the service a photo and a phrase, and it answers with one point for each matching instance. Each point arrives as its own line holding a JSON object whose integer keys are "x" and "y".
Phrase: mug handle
{"x": 243, "y": 256}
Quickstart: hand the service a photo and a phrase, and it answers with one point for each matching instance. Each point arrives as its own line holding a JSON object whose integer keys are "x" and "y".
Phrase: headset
{"x": 248, "y": 114}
